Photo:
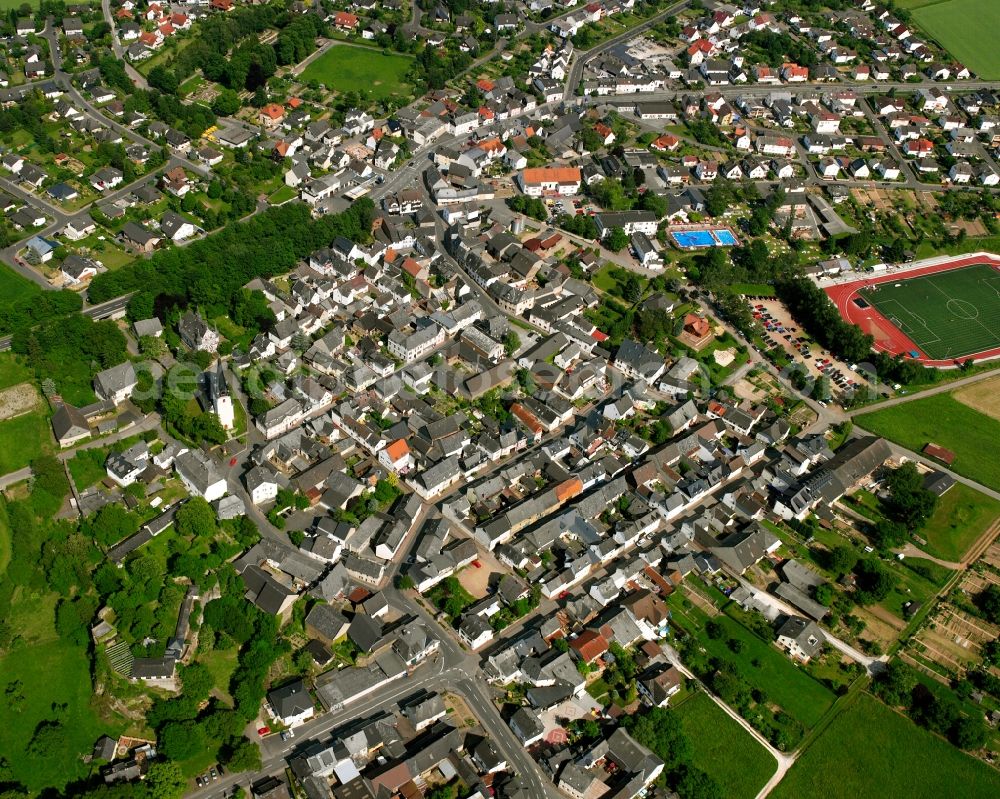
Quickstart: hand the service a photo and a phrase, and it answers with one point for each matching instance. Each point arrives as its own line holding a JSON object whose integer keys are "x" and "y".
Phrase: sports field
{"x": 947, "y": 314}
{"x": 967, "y": 29}
{"x": 361, "y": 69}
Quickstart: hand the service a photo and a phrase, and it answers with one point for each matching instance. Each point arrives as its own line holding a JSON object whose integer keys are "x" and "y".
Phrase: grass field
{"x": 282, "y": 195}
{"x": 725, "y": 750}
{"x": 869, "y": 750}
{"x": 13, "y": 286}
{"x": 943, "y": 420}
{"x": 966, "y": 29}
{"x": 12, "y": 371}
{"x": 948, "y": 314}
{"x": 24, "y": 439}
{"x": 358, "y": 69}
{"x": 962, "y": 515}
{"x": 50, "y": 680}
{"x": 87, "y": 467}
{"x": 764, "y": 667}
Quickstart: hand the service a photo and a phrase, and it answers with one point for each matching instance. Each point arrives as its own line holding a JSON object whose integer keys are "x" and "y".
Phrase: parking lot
{"x": 780, "y": 330}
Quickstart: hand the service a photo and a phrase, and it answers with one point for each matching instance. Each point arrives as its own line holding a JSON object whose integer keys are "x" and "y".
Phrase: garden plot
{"x": 18, "y": 400}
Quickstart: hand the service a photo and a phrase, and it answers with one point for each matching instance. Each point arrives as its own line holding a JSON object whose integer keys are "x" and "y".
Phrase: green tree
{"x": 165, "y": 780}
{"x": 197, "y": 681}
{"x": 195, "y": 518}
{"x": 48, "y": 739}
{"x": 908, "y": 503}
{"x": 181, "y": 740}
{"x": 244, "y": 756}
{"x": 227, "y": 103}
{"x": 404, "y": 582}
{"x": 874, "y": 581}
{"x": 894, "y": 683}
{"x": 989, "y": 603}
{"x": 968, "y": 733}
{"x": 511, "y": 343}
{"x": 616, "y": 240}
{"x": 842, "y": 559}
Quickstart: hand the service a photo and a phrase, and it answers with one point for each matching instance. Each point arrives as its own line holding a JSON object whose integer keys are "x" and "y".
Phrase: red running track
{"x": 888, "y": 337}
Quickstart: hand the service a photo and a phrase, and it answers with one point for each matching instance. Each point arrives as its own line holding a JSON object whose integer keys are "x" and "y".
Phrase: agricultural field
{"x": 363, "y": 70}
{"x": 966, "y": 29}
{"x": 943, "y": 420}
{"x": 870, "y": 750}
{"x": 725, "y": 750}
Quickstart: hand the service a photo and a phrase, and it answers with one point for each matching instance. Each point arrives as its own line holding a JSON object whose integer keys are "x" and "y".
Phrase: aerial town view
{"x": 499, "y": 399}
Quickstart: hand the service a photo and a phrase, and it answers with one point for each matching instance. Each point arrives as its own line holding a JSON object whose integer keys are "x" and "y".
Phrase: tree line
{"x": 211, "y": 272}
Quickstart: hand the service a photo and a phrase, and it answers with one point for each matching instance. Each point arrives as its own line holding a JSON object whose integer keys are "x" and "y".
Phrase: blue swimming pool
{"x": 698, "y": 239}
{"x": 694, "y": 238}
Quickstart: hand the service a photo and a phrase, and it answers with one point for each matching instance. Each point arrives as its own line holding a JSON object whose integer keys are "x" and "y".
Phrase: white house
{"x": 200, "y": 475}
{"x": 396, "y": 457}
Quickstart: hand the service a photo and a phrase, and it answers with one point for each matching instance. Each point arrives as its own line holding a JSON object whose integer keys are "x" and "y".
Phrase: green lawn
{"x": 282, "y": 195}
{"x": 221, "y": 663}
{"x": 762, "y": 665}
{"x": 52, "y": 681}
{"x": 14, "y": 287}
{"x": 966, "y": 29}
{"x": 24, "y": 439}
{"x": 872, "y": 751}
{"x": 87, "y": 467}
{"x": 13, "y": 371}
{"x": 962, "y": 515}
{"x": 4, "y": 540}
{"x": 785, "y": 683}
{"x": 943, "y": 420}
{"x": 346, "y": 69}
{"x": 724, "y": 749}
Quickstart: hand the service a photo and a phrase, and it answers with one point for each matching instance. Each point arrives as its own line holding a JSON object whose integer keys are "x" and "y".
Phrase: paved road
{"x": 116, "y": 45}
{"x": 581, "y": 57}
{"x": 942, "y": 388}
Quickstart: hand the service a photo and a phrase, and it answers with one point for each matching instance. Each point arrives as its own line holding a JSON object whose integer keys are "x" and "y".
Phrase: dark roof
{"x": 68, "y": 422}
{"x": 153, "y": 668}
{"x": 290, "y": 699}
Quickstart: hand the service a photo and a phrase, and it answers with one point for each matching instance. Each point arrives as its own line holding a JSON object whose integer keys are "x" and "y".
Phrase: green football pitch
{"x": 949, "y": 314}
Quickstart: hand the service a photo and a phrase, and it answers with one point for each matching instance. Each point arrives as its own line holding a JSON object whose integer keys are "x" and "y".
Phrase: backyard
{"x": 360, "y": 69}
{"x": 721, "y": 747}
{"x": 870, "y": 750}
{"x": 762, "y": 665}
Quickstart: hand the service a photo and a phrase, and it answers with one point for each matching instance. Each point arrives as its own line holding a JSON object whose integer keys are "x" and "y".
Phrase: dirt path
{"x": 912, "y": 551}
